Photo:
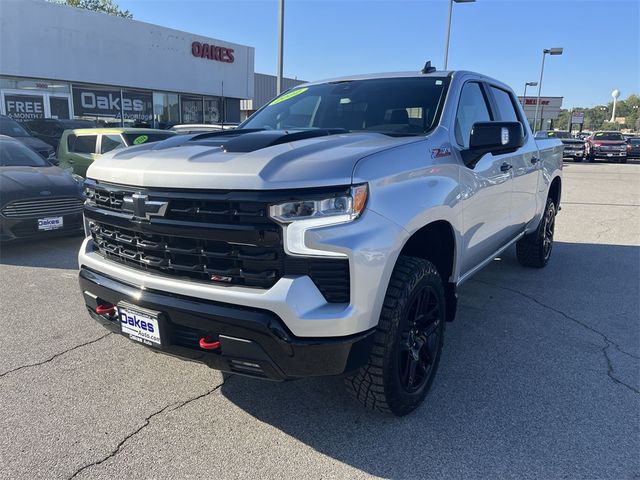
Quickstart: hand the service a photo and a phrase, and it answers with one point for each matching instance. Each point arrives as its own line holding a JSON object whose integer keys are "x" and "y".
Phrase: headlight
{"x": 299, "y": 216}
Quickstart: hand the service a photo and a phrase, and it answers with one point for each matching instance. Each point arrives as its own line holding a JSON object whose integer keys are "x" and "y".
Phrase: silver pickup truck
{"x": 327, "y": 235}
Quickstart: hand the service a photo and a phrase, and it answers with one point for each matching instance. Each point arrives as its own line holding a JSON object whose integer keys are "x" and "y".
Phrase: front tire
{"x": 408, "y": 342}
{"x": 534, "y": 249}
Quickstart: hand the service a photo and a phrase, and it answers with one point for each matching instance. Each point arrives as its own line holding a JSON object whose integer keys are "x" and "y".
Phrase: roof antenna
{"x": 428, "y": 68}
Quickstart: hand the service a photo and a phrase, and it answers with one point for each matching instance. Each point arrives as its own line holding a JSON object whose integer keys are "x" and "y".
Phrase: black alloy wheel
{"x": 420, "y": 340}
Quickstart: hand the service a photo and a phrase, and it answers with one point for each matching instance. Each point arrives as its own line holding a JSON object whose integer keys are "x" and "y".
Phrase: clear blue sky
{"x": 501, "y": 38}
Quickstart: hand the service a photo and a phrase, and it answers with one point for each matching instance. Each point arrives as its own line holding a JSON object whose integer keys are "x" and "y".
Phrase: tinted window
{"x": 634, "y": 141}
{"x": 392, "y": 106}
{"x": 608, "y": 136}
{"x": 505, "y": 106}
{"x": 12, "y": 128}
{"x": 140, "y": 138}
{"x": 472, "y": 108}
{"x": 559, "y": 134}
{"x": 111, "y": 142}
{"x": 15, "y": 154}
{"x": 85, "y": 144}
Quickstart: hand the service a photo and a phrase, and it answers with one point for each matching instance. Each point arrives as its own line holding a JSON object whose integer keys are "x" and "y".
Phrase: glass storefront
{"x": 30, "y": 99}
{"x": 191, "y": 109}
{"x": 166, "y": 109}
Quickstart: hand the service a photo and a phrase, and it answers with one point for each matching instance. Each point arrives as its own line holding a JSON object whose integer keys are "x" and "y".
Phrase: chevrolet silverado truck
{"x": 327, "y": 235}
{"x": 606, "y": 146}
{"x": 573, "y": 147}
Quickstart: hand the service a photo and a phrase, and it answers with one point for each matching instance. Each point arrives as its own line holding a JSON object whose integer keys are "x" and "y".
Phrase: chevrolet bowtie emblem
{"x": 142, "y": 207}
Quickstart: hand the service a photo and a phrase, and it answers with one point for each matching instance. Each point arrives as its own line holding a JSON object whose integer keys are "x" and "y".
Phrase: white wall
{"x": 44, "y": 40}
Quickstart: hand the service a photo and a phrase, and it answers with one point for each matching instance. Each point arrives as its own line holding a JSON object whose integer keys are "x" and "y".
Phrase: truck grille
{"x": 43, "y": 207}
{"x": 224, "y": 238}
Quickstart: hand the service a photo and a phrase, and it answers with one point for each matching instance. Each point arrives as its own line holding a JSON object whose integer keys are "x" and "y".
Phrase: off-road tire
{"x": 534, "y": 249}
{"x": 378, "y": 384}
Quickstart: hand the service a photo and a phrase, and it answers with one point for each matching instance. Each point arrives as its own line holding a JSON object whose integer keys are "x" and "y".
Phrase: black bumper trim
{"x": 253, "y": 341}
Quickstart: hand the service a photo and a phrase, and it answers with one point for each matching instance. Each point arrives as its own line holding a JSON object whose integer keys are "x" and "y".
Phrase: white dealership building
{"x": 64, "y": 62}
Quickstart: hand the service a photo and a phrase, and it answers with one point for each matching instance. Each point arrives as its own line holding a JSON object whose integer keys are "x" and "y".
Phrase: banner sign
{"x": 23, "y": 108}
{"x": 133, "y": 105}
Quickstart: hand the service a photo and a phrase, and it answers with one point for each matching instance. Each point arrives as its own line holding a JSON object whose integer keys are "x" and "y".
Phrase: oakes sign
{"x": 219, "y": 54}
{"x": 109, "y": 103}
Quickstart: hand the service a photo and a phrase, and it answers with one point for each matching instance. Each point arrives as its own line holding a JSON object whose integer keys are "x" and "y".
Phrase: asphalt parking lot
{"x": 540, "y": 376}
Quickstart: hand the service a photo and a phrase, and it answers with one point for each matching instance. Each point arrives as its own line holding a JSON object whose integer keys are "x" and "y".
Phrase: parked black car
{"x": 633, "y": 147}
{"x": 574, "y": 148}
{"x": 37, "y": 199}
{"x": 11, "y": 128}
{"x": 50, "y": 130}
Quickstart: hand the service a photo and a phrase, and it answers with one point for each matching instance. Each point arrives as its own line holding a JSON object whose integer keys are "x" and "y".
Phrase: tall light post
{"x": 280, "y": 46}
{"x": 446, "y": 45}
{"x": 550, "y": 51}
{"x": 524, "y": 97}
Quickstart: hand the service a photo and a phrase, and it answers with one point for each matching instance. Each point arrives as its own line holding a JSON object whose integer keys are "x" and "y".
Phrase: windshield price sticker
{"x": 141, "y": 139}
{"x": 289, "y": 95}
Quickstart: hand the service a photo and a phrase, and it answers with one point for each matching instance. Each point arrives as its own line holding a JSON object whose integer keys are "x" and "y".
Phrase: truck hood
{"x": 256, "y": 160}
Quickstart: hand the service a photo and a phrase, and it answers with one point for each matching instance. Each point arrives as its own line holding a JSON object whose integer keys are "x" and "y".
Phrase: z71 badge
{"x": 440, "y": 152}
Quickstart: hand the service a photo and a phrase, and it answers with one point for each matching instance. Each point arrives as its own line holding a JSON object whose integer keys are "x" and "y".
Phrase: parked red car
{"x": 606, "y": 146}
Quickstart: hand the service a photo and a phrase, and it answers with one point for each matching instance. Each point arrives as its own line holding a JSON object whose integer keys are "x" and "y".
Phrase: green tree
{"x": 105, "y": 6}
{"x": 597, "y": 118}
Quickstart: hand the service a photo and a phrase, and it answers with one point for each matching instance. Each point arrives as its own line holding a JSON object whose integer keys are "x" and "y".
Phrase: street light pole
{"x": 280, "y": 46}
{"x": 446, "y": 43}
{"x": 524, "y": 97}
{"x": 550, "y": 51}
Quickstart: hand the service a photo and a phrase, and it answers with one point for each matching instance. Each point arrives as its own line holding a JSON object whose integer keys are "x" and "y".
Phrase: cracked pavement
{"x": 540, "y": 377}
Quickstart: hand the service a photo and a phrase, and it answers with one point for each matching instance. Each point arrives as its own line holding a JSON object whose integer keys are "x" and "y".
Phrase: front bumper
{"x": 26, "y": 228}
{"x": 573, "y": 153}
{"x": 253, "y": 341}
{"x": 609, "y": 153}
{"x": 371, "y": 244}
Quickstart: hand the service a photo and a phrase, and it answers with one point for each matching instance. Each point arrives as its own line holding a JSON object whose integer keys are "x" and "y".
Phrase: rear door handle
{"x": 534, "y": 160}
{"x": 505, "y": 167}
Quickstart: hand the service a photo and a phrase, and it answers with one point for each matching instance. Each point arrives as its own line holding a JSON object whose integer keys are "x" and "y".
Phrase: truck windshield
{"x": 392, "y": 106}
{"x": 608, "y": 136}
{"x": 560, "y": 134}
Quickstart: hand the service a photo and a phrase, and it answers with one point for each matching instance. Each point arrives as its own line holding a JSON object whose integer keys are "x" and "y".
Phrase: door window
{"x": 505, "y": 106}
{"x": 84, "y": 144}
{"x": 472, "y": 108}
{"x": 111, "y": 142}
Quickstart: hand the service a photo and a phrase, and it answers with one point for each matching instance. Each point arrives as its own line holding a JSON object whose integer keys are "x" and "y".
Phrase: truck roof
{"x": 409, "y": 74}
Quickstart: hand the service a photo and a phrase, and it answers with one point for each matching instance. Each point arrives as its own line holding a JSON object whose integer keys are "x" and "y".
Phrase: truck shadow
{"x": 59, "y": 252}
{"x": 517, "y": 386}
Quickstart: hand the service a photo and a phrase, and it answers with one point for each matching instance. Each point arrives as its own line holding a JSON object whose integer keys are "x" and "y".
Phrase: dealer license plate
{"x": 140, "y": 324}
{"x": 50, "y": 223}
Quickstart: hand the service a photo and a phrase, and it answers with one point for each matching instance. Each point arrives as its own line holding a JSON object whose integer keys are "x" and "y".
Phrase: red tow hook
{"x": 206, "y": 345}
{"x": 106, "y": 309}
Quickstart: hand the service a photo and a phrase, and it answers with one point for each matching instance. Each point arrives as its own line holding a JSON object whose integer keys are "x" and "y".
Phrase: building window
{"x": 212, "y": 113}
{"x": 166, "y": 109}
{"x": 191, "y": 109}
{"x": 49, "y": 86}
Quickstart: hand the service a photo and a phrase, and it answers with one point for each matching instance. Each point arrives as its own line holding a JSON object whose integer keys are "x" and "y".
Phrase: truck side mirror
{"x": 492, "y": 137}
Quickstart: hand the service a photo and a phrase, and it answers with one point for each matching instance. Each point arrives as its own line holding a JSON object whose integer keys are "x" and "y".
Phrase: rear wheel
{"x": 534, "y": 249}
{"x": 408, "y": 342}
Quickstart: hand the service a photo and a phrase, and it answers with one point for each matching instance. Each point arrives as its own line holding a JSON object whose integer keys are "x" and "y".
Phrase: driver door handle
{"x": 505, "y": 167}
